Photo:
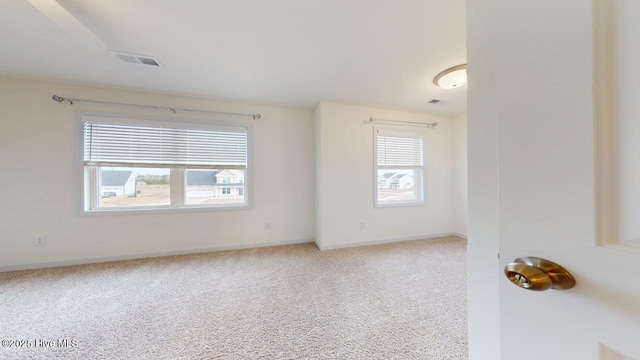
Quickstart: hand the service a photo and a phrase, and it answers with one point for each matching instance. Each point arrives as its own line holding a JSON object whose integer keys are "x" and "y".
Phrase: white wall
{"x": 41, "y": 181}
{"x": 318, "y": 169}
{"x": 460, "y": 174}
{"x": 345, "y": 183}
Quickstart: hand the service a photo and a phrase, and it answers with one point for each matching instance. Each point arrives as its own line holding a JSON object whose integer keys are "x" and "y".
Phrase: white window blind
{"x": 399, "y": 150}
{"x": 164, "y": 146}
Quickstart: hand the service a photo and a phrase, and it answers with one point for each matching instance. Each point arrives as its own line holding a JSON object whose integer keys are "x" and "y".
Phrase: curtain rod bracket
{"x": 60, "y": 99}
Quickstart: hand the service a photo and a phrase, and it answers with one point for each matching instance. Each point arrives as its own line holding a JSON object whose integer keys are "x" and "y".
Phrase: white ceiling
{"x": 283, "y": 52}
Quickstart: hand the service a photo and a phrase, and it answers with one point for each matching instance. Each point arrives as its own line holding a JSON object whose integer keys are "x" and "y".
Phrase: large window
{"x": 399, "y": 167}
{"x": 132, "y": 164}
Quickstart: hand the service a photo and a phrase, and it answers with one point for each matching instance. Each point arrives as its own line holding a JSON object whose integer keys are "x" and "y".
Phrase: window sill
{"x": 400, "y": 204}
{"x": 162, "y": 210}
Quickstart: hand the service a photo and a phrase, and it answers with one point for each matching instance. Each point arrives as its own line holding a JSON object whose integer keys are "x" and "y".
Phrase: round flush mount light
{"x": 453, "y": 77}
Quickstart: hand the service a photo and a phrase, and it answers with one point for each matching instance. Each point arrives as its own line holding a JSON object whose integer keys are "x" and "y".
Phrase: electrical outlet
{"x": 267, "y": 226}
{"x": 362, "y": 225}
{"x": 40, "y": 240}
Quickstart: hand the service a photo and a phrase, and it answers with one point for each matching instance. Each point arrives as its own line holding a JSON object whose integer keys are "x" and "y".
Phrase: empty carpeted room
{"x": 336, "y": 179}
{"x": 233, "y": 180}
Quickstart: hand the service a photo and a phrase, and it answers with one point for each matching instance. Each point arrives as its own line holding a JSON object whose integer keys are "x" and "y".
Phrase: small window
{"x": 399, "y": 167}
{"x": 132, "y": 164}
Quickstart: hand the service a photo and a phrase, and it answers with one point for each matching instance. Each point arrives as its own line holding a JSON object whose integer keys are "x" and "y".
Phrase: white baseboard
{"x": 104, "y": 259}
{"x": 464, "y": 236}
{"x": 385, "y": 241}
{"x": 96, "y": 260}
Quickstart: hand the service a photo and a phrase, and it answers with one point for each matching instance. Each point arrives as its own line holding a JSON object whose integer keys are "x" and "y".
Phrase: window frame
{"x": 90, "y": 182}
{"x": 420, "y": 180}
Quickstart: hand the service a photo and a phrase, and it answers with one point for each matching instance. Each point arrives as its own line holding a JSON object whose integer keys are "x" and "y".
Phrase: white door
{"x": 568, "y": 124}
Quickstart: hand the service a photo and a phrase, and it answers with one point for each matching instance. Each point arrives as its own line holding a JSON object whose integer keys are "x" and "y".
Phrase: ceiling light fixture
{"x": 453, "y": 77}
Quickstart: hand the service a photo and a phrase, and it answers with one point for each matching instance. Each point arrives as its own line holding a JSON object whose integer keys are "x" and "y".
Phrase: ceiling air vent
{"x": 434, "y": 101}
{"x": 136, "y": 59}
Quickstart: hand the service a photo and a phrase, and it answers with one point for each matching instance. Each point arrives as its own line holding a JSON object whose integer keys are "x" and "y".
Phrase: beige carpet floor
{"x": 394, "y": 301}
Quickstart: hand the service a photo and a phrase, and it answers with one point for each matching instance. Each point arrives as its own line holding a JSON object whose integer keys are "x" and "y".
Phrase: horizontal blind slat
{"x": 399, "y": 150}
{"x": 154, "y": 145}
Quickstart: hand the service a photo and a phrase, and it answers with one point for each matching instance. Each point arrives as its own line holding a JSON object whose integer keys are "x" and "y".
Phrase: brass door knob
{"x": 538, "y": 274}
